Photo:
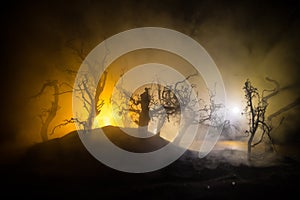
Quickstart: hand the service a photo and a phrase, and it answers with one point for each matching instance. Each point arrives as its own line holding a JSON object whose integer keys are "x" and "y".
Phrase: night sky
{"x": 246, "y": 39}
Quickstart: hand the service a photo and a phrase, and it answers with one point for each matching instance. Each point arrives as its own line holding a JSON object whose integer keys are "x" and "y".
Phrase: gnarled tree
{"x": 48, "y": 114}
{"x": 256, "y": 109}
{"x": 166, "y": 102}
{"x": 82, "y": 89}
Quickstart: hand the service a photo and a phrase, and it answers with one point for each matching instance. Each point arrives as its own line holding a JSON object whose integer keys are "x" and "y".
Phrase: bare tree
{"x": 169, "y": 101}
{"x": 256, "y": 109}
{"x": 88, "y": 100}
{"x": 87, "y": 83}
{"x": 83, "y": 92}
{"x": 49, "y": 114}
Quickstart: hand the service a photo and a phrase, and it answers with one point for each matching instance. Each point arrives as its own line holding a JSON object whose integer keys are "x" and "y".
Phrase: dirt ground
{"x": 62, "y": 168}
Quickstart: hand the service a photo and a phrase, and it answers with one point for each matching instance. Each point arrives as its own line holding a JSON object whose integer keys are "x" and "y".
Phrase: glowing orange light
{"x": 105, "y": 118}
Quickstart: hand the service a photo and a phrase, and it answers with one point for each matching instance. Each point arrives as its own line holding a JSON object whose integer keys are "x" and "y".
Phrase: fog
{"x": 245, "y": 39}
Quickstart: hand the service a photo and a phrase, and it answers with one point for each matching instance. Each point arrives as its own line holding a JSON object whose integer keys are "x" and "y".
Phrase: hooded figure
{"x": 145, "y": 101}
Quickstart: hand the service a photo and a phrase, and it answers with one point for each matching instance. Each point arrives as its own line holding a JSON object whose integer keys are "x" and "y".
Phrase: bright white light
{"x": 235, "y": 110}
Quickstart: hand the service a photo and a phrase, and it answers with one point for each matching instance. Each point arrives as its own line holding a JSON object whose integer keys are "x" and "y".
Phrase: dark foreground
{"x": 62, "y": 168}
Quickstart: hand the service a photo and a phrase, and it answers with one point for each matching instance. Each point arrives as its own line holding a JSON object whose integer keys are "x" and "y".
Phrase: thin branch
{"x": 49, "y": 83}
{"x": 70, "y": 71}
{"x": 284, "y": 109}
{"x": 187, "y": 78}
{"x": 65, "y": 83}
{"x": 65, "y": 92}
{"x": 274, "y": 91}
{"x": 66, "y": 122}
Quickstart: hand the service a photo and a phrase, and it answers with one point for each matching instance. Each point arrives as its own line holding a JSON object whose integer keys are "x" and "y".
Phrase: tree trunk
{"x": 44, "y": 132}
{"x": 250, "y": 146}
{"x": 90, "y": 120}
{"x": 52, "y": 113}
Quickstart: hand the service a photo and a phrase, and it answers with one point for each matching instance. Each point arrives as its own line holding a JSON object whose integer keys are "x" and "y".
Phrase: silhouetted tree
{"x": 48, "y": 114}
{"x": 82, "y": 89}
{"x": 87, "y": 100}
{"x": 87, "y": 83}
{"x": 166, "y": 102}
{"x": 256, "y": 108}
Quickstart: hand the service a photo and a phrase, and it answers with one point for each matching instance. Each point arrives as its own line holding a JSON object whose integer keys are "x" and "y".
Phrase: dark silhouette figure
{"x": 144, "y": 117}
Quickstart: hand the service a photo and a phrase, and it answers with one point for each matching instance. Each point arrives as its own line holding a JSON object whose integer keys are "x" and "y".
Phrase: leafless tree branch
{"x": 256, "y": 111}
{"x": 67, "y": 122}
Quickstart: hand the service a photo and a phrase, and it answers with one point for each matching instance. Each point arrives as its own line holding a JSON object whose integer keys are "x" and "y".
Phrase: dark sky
{"x": 246, "y": 39}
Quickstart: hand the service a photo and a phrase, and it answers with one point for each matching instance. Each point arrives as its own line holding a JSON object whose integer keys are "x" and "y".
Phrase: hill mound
{"x": 64, "y": 168}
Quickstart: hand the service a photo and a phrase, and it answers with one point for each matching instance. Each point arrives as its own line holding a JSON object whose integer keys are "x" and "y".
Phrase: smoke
{"x": 246, "y": 40}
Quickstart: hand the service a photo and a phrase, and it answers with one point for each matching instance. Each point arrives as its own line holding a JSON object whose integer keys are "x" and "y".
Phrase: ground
{"x": 62, "y": 168}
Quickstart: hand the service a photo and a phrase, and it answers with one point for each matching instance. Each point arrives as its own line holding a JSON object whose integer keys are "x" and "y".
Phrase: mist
{"x": 245, "y": 39}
